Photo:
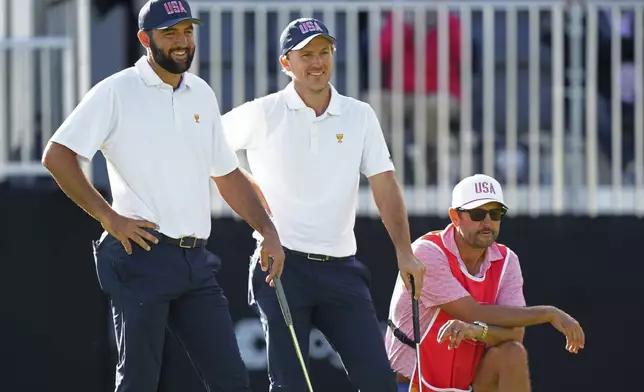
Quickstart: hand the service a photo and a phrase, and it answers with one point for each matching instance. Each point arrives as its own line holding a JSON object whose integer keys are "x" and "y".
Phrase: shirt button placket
{"x": 175, "y": 112}
{"x": 313, "y": 132}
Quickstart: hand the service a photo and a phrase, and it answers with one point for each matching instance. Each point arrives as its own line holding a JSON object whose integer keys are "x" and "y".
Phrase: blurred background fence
{"x": 544, "y": 95}
{"x": 547, "y": 96}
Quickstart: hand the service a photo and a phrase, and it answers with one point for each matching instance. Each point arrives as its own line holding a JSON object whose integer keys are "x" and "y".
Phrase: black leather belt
{"x": 314, "y": 256}
{"x": 183, "y": 242}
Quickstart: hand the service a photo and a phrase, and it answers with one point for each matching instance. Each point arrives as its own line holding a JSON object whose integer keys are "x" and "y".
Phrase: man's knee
{"x": 506, "y": 359}
{"x": 511, "y": 353}
{"x": 371, "y": 372}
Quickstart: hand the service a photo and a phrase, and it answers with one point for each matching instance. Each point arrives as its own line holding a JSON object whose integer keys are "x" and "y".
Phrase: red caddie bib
{"x": 444, "y": 370}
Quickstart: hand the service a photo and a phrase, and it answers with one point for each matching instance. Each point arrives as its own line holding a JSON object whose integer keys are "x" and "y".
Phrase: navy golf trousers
{"x": 175, "y": 288}
{"x": 334, "y": 297}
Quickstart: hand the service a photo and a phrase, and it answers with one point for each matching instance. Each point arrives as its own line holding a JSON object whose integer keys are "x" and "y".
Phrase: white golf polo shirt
{"x": 161, "y": 146}
{"x": 309, "y": 167}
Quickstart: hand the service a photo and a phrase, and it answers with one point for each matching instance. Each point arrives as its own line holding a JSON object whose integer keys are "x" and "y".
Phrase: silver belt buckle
{"x": 183, "y": 245}
{"x": 311, "y": 257}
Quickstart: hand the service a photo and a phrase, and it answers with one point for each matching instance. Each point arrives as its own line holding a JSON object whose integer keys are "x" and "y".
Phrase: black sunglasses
{"x": 478, "y": 214}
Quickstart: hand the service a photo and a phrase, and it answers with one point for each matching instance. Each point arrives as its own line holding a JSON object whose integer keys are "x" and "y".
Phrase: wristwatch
{"x": 485, "y": 328}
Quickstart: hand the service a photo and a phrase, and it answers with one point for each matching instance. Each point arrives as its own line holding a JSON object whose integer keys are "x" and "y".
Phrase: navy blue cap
{"x": 300, "y": 32}
{"x": 161, "y": 14}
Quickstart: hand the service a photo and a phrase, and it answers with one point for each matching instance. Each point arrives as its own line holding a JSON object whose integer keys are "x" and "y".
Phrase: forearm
{"x": 63, "y": 165}
{"x": 389, "y": 200}
{"x": 237, "y": 190}
{"x": 510, "y": 316}
{"x": 497, "y": 335}
{"x": 257, "y": 189}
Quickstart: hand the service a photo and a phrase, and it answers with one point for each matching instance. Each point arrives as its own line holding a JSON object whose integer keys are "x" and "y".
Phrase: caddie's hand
{"x": 455, "y": 331}
{"x": 126, "y": 229}
{"x": 564, "y": 323}
{"x": 409, "y": 265}
{"x": 270, "y": 246}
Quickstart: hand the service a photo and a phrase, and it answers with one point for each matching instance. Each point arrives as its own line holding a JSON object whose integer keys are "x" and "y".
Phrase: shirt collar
{"x": 295, "y": 102}
{"x": 152, "y": 79}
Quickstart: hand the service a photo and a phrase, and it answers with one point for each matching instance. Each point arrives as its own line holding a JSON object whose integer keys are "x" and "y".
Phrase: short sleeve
{"x": 91, "y": 122}
{"x": 243, "y": 125}
{"x": 223, "y": 158}
{"x": 511, "y": 289}
{"x": 439, "y": 285}
{"x": 375, "y": 154}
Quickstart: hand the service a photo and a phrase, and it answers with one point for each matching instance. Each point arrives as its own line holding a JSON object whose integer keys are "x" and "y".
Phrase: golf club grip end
{"x": 416, "y": 320}
{"x": 281, "y": 298}
{"x": 415, "y": 311}
{"x": 413, "y": 286}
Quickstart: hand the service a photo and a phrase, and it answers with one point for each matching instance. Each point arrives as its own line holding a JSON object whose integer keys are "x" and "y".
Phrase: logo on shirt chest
{"x": 339, "y": 137}
{"x": 196, "y": 116}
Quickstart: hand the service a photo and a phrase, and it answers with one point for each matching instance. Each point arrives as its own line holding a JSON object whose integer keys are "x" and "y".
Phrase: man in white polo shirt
{"x": 307, "y": 146}
{"x": 160, "y": 130}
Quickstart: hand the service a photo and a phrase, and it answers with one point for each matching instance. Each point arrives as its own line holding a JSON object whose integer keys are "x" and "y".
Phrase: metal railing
{"x": 534, "y": 110}
{"x": 28, "y": 119}
{"x": 44, "y": 77}
{"x": 528, "y": 112}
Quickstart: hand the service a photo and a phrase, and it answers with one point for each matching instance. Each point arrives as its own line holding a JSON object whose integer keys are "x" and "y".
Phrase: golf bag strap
{"x": 400, "y": 335}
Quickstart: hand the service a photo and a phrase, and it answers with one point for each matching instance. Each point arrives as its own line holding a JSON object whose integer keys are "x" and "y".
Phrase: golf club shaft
{"x": 286, "y": 312}
{"x": 416, "y": 321}
{"x": 301, "y": 358}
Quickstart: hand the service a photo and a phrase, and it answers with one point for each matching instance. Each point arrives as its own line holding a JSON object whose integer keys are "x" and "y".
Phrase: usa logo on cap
{"x": 161, "y": 14}
{"x": 300, "y": 32}
{"x": 476, "y": 190}
{"x": 174, "y": 7}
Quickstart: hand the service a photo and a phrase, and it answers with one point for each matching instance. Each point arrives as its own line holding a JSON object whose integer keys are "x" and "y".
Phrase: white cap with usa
{"x": 476, "y": 190}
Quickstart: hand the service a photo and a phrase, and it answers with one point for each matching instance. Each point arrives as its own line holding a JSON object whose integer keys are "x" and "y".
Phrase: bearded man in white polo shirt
{"x": 307, "y": 146}
{"x": 160, "y": 130}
